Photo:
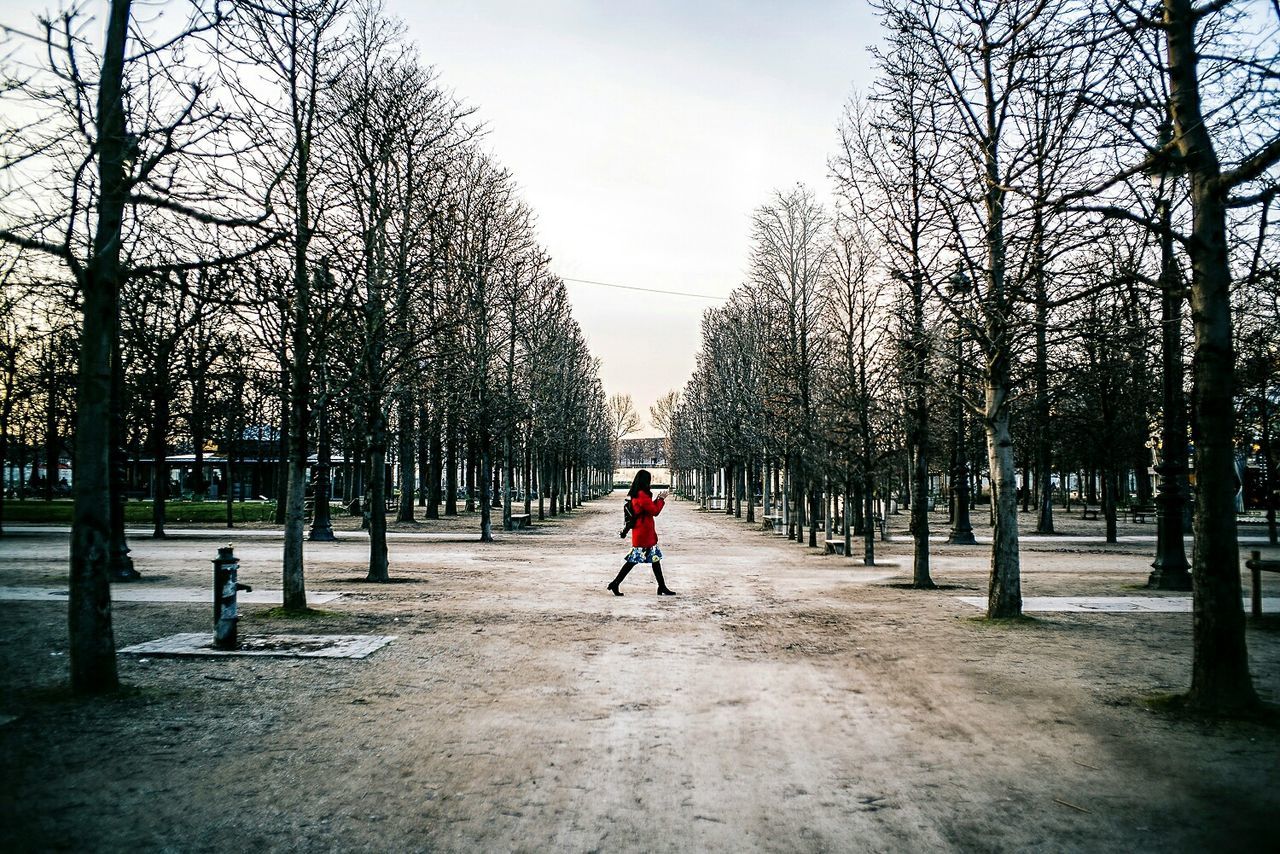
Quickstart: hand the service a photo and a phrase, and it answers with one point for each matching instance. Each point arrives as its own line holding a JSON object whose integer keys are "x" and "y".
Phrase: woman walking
{"x": 644, "y": 536}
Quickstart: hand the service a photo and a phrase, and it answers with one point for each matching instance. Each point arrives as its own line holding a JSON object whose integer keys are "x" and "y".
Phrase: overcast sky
{"x": 643, "y": 135}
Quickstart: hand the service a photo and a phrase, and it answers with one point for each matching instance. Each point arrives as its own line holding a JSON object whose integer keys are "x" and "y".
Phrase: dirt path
{"x": 785, "y": 701}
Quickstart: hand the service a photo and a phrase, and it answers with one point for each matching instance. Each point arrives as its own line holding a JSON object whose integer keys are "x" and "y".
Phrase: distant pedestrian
{"x": 644, "y": 536}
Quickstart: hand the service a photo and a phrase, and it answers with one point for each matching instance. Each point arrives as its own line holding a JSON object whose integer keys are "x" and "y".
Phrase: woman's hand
{"x": 662, "y": 496}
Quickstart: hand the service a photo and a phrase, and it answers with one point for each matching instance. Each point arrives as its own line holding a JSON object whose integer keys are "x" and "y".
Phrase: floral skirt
{"x": 652, "y": 554}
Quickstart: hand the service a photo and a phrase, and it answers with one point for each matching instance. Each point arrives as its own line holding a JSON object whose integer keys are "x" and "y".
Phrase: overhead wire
{"x": 644, "y": 290}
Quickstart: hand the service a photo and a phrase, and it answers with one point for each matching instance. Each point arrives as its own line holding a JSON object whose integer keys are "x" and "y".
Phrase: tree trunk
{"x": 408, "y": 407}
{"x": 1268, "y": 454}
{"x": 434, "y": 472}
{"x": 508, "y": 467}
{"x": 815, "y": 502}
{"x": 299, "y": 397}
{"x": 50, "y": 429}
{"x": 424, "y": 456}
{"x": 92, "y": 642}
{"x": 121, "y": 564}
{"x": 322, "y": 514}
{"x": 378, "y": 567}
{"x": 451, "y": 469}
{"x": 869, "y": 535}
{"x": 766, "y": 487}
{"x": 470, "y": 478}
{"x": 542, "y": 481}
{"x": 921, "y": 577}
{"x": 846, "y": 516}
{"x": 1004, "y": 593}
{"x": 160, "y": 445}
{"x": 1110, "y": 500}
{"x": 199, "y": 489}
{"x": 1220, "y": 680}
{"x": 281, "y": 482}
{"x": 528, "y": 475}
{"x": 485, "y": 487}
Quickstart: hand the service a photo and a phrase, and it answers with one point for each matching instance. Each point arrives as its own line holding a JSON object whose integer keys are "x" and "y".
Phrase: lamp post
{"x": 961, "y": 529}
{"x": 1170, "y": 568}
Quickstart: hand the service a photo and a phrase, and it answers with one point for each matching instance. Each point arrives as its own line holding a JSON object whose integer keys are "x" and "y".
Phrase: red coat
{"x": 644, "y": 534}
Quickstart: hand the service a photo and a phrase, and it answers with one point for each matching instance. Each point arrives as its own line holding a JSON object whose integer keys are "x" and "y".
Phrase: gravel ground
{"x": 785, "y": 701}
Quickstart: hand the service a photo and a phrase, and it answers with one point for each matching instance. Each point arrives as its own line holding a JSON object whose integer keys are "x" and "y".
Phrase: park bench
{"x": 1140, "y": 512}
{"x": 835, "y": 547}
{"x": 1257, "y": 566}
{"x": 1091, "y": 511}
{"x": 715, "y": 503}
{"x": 521, "y": 520}
{"x": 774, "y": 523}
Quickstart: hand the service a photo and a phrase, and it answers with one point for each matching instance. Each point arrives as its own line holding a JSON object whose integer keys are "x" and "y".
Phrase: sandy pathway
{"x": 785, "y": 701}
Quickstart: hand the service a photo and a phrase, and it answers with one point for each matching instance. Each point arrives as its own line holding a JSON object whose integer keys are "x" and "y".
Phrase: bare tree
{"x": 622, "y": 412}
{"x": 89, "y": 170}
{"x": 292, "y": 46}
{"x": 1224, "y": 141}
{"x": 790, "y": 248}
{"x": 884, "y": 173}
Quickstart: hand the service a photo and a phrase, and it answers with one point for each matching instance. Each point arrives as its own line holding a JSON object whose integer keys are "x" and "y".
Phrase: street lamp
{"x": 1170, "y": 568}
{"x": 961, "y": 530}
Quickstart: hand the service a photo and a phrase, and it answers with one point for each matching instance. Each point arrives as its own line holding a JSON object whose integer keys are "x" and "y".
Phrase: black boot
{"x": 662, "y": 585}
{"x": 622, "y": 573}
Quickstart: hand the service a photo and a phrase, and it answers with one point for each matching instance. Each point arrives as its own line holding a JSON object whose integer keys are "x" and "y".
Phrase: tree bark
{"x": 122, "y": 568}
{"x": 434, "y": 469}
{"x": 918, "y": 438}
{"x": 408, "y": 407}
{"x": 424, "y": 456}
{"x": 1220, "y": 680}
{"x": 160, "y": 443}
{"x": 485, "y": 488}
{"x": 451, "y": 468}
{"x": 92, "y": 642}
{"x": 378, "y": 566}
{"x": 1004, "y": 592}
{"x": 321, "y": 514}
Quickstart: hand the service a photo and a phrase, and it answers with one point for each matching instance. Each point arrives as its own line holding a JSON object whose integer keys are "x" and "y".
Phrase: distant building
{"x": 642, "y": 453}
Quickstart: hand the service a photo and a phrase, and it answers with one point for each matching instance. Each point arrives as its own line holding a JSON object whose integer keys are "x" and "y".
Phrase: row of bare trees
{"x": 271, "y": 222}
{"x": 997, "y": 257}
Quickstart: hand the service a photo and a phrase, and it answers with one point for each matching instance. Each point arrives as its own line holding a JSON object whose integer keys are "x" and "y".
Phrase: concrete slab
{"x": 289, "y": 646}
{"x": 124, "y": 593}
{"x": 1110, "y": 604}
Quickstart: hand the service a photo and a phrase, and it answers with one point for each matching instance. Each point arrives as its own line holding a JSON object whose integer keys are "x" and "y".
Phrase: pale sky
{"x": 644, "y": 135}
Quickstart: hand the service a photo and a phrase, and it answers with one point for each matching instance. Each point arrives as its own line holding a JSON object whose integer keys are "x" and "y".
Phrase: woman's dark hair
{"x": 641, "y": 483}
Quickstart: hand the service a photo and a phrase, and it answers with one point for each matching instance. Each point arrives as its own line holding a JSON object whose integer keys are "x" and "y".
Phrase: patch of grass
{"x": 139, "y": 512}
{"x": 1164, "y": 702}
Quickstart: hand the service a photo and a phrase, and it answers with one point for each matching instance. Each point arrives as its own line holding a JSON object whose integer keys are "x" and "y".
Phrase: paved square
{"x": 290, "y": 646}
{"x": 1111, "y": 604}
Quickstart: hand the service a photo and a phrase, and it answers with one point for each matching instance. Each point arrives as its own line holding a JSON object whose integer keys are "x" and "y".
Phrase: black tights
{"x": 626, "y": 567}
